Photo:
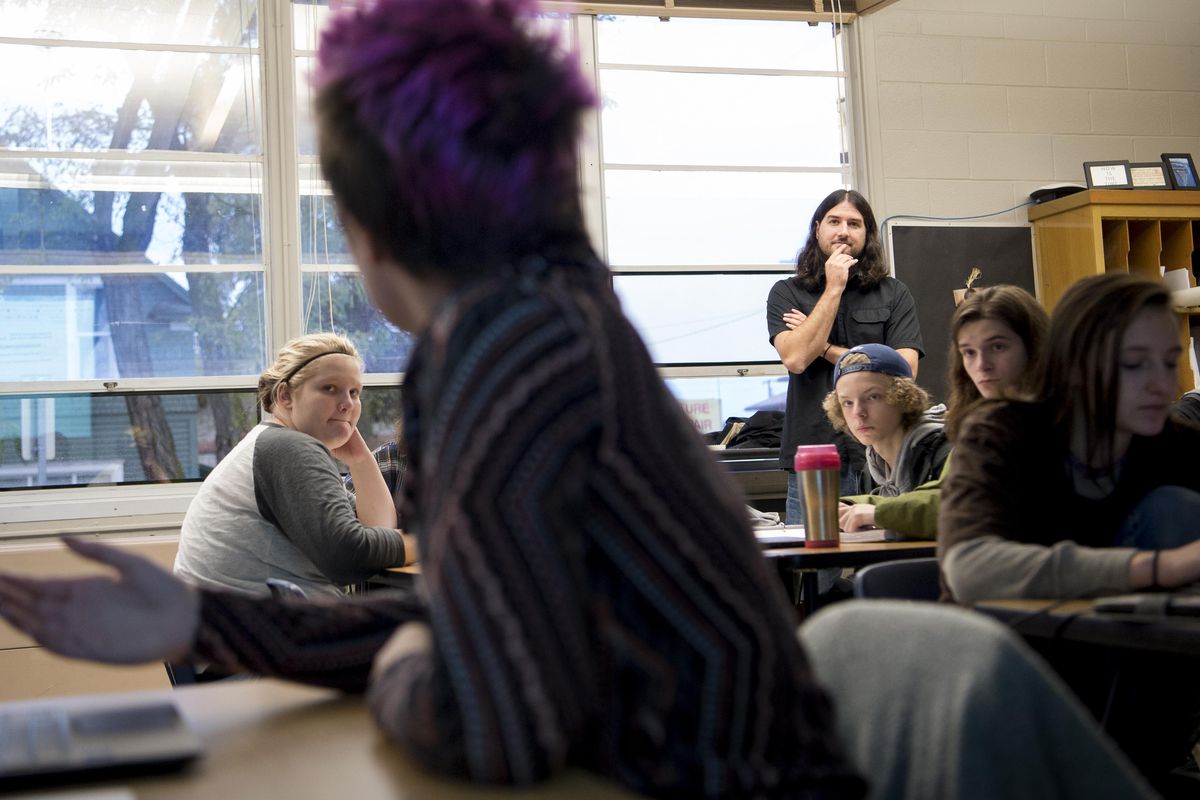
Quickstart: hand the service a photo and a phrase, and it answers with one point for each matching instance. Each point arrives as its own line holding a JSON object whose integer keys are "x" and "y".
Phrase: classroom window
{"x": 718, "y": 138}
{"x": 133, "y": 265}
{"x": 156, "y": 249}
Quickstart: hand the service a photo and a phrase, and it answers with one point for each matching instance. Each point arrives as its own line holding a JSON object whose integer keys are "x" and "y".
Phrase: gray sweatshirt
{"x": 276, "y": 507}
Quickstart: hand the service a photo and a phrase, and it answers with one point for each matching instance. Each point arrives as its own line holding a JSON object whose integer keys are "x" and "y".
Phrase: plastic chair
{"x": 911, "y": 579}
{"x": 180, "y": 673}
{"x": 183, "y": 673}
{"x": 281, "y": 589}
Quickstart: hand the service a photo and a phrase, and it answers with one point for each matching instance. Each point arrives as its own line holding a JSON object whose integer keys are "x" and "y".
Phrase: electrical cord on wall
{"x": 883, "y": 225}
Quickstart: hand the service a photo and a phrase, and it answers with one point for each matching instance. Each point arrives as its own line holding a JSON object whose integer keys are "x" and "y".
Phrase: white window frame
{"x": 154, "y": 506}
{"x": 593, "y": 165}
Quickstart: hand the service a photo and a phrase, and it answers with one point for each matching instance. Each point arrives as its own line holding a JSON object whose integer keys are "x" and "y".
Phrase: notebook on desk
{"x": 779, "y": 535}
{"x": 793, "y": 535}
{"x": 72, "y": 738}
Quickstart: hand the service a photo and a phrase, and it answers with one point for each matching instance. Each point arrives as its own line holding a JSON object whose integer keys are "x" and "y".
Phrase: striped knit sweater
{"x": 595, "y": 594}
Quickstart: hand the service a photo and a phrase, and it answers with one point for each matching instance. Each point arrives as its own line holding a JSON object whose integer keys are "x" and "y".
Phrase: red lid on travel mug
{"x": 817, "y": 456}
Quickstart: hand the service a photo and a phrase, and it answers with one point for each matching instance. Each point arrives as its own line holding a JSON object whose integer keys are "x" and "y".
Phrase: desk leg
{"x": 809, "y": 591}
{"x": 802, "y": 587}
{"x": 791, "y": 582}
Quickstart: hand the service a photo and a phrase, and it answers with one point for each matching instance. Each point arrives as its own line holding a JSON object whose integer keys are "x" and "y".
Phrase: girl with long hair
{"x": 1091, "y": 488}
{"x": 997, "y": 342}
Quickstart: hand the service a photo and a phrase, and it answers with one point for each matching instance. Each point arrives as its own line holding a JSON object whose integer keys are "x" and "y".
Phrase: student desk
{"x": 1076, "y": 621}
{"x": 272, "y": 739}
{"x": 1135, "y": 673}
{"x": 853, "y": 551}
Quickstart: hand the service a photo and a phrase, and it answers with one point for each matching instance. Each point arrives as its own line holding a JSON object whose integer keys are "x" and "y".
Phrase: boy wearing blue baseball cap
{"x": 876, "y": 401}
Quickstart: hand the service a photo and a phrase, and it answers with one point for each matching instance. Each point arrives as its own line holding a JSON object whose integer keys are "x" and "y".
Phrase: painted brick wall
{"x": 967, "y": 105}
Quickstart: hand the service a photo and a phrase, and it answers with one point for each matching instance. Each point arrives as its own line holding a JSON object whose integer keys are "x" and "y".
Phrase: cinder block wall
{"x": 968, "y": 105}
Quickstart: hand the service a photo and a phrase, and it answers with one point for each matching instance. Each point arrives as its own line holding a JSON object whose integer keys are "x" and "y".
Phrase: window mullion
{"x": 591, "y": 144}
{"x": 281, "y": 200}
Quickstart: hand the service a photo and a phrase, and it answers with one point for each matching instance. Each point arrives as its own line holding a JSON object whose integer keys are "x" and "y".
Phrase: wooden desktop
{"x": 1077, "y": 621}
{"x": 268, "y": 738}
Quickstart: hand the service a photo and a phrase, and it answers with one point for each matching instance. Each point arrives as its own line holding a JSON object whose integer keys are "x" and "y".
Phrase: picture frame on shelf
{"x": 1181, "y": 171}
{"x": 1107, "y": 174}
{"x": 1149, "y": 175}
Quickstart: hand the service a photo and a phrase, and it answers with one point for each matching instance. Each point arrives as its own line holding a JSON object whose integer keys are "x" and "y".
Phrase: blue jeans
{"x": 936, "y": 701}
{"x": 1167, "y": 517}
{"x": 794, "y": 515}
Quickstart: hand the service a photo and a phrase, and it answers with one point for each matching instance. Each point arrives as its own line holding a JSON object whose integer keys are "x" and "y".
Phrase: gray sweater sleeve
{"x": 299, "y": 490}
{"x": 995, "y": 568}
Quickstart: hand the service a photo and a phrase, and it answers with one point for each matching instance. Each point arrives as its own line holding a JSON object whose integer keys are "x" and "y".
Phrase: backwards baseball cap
{"x": 879, "y": 358}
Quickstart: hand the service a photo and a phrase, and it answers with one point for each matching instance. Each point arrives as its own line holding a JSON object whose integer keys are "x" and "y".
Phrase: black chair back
{"x": 910, "y": 579}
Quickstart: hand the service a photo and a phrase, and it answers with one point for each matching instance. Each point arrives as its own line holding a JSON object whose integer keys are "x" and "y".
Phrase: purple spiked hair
{"x": 448, "y": 130}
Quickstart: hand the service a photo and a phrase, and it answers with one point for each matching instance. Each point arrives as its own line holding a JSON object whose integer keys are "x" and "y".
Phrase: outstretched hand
{"x": 140, "y": 614}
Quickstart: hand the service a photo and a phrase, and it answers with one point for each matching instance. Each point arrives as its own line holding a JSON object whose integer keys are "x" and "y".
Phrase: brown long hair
{"x": 1017, "y": 309}
{"x": 871, "y": 267}
{"x": 1082, "y": 378}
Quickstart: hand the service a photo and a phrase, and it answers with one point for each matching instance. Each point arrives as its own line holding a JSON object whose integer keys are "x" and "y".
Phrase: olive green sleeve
{"x": 912, "y": 515}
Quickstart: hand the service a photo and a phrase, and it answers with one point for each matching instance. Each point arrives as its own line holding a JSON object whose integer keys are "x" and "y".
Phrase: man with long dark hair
{"x": 840, "y": 296}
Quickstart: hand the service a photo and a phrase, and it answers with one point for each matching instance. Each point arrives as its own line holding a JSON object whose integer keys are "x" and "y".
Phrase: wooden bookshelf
{"x": 1116, "y": 230}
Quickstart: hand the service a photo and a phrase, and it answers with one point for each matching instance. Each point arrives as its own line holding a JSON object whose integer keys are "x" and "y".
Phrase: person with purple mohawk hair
{"x": 593, "y": 595}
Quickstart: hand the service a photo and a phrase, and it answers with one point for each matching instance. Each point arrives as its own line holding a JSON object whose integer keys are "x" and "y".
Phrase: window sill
{"x": 107, "y": 509}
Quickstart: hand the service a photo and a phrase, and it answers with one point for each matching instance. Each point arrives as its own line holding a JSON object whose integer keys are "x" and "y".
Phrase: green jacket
{"x": 912, "y": 515}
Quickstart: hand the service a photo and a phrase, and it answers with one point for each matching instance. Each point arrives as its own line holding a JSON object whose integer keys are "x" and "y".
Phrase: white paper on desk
{"x": 872, "y": 535}
{"x": 779, "y": 535}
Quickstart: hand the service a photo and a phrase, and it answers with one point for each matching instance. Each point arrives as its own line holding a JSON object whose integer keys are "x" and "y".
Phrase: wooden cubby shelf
{"x": 1126, "y": 230}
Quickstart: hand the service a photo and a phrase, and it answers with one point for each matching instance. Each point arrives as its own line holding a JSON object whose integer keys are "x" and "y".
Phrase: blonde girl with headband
{"x": 276, "y": 507}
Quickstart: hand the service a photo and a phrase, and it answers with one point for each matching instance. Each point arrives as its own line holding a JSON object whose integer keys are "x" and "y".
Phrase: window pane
{"x": 686, "y": 118}
{"x": 219, "y": 23}
{"x": 87, "y": 439}
{"x": 704, "y": 218}
{"x": 336, "y": 301}
{"x": 57, "y": 211}
{"x": 308, "y": 20}
{"x": 748, "y": 44}
{"x": 694, "y": 319}
{"x": 306, "y": 132}
{"x": 380, "y": 413}
{"x": 71, "y": 98}
{"x": 57, "y": 327}
{"x": 710, "y": 401}
{"x": 322, "y": 240}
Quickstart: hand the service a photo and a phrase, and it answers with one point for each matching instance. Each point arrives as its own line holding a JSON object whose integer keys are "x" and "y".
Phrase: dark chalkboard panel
{"x": 934, "y": 260}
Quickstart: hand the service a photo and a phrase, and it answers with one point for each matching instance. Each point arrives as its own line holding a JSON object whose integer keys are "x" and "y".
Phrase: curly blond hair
{"x": 294, "y": 364}
{"x": 903, "y": 393}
